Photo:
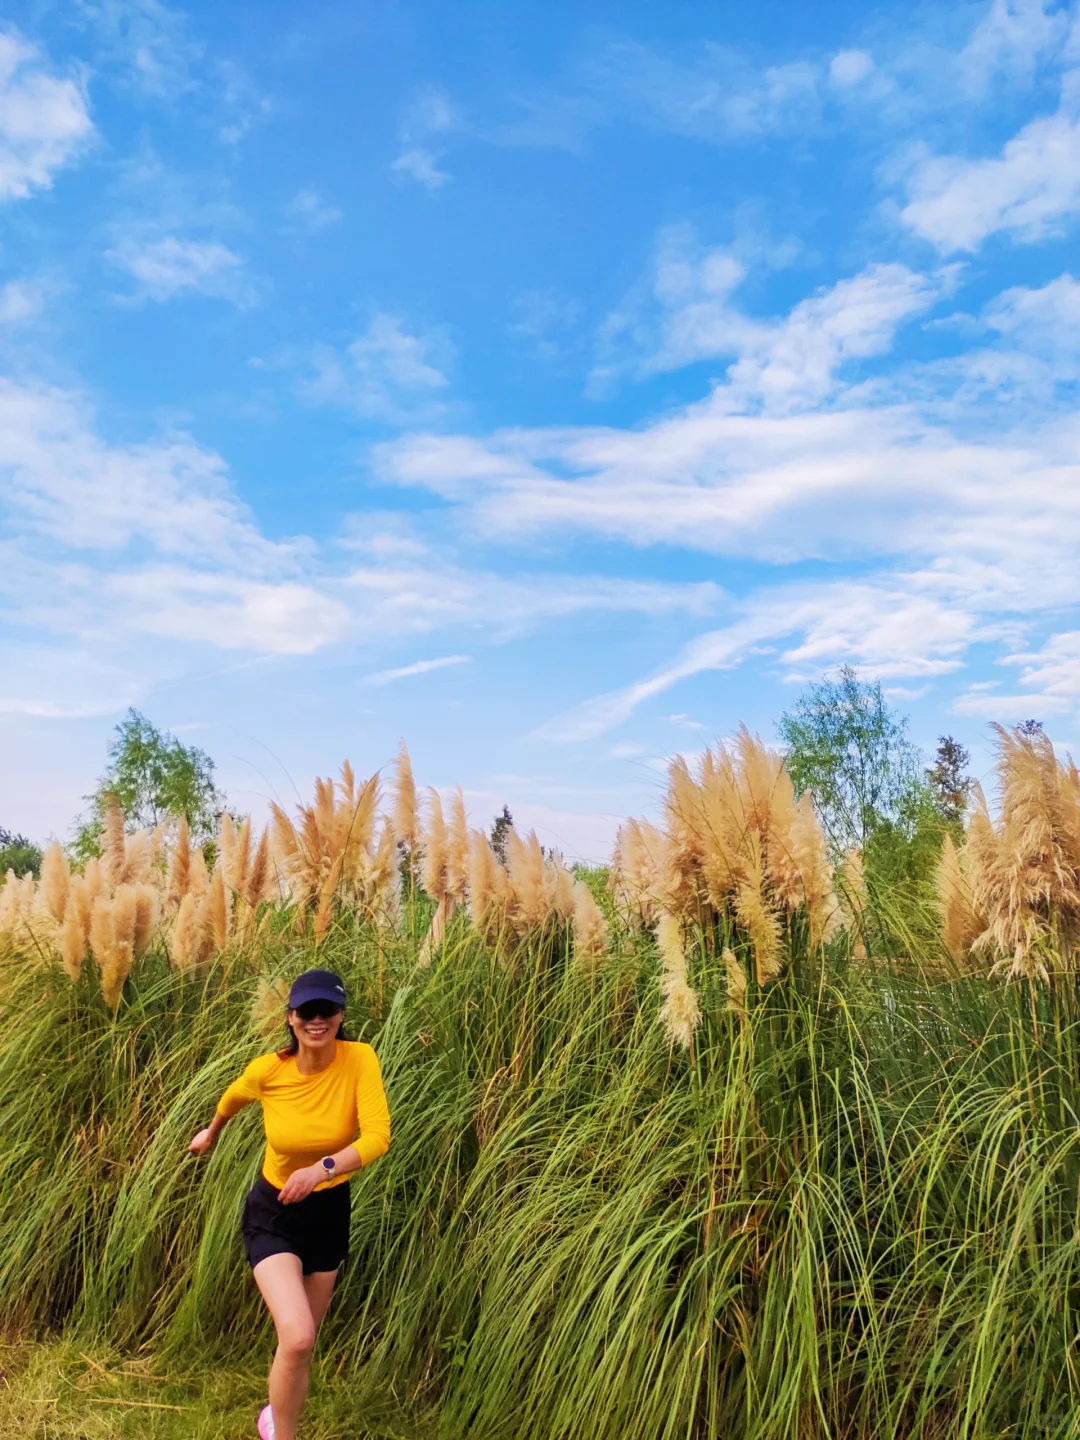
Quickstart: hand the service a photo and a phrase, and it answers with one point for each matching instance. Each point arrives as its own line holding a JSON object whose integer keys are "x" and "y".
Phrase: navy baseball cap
{"x": 317, "y": 985}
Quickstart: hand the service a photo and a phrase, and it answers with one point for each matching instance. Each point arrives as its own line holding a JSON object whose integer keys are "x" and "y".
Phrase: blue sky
{"x": 554, "y": 386}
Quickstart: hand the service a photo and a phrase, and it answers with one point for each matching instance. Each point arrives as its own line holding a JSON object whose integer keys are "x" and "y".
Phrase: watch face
{"x": 328, "y": 1165}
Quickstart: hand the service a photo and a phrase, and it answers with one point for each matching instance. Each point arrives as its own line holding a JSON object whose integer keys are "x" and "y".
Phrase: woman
{"x": 325, "y": 1115}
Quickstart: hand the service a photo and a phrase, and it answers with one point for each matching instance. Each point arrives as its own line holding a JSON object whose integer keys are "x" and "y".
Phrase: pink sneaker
{"x": 266, "y": 1423}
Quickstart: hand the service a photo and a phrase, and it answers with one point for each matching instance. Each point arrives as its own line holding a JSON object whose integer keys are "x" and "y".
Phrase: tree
{"x": 851, "y": 750}
{"x": 949, "y": 786}
{"x": 19, "y": 854}
{"x": 1030, "y": 727}
{"x": 153, "y": 776}
{"x": 504, "y": 823}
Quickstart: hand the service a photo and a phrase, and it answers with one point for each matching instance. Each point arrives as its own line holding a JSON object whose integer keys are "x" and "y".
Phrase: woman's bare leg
{"x": 319, "y": 1287}
{"x": 280, "y": 1279}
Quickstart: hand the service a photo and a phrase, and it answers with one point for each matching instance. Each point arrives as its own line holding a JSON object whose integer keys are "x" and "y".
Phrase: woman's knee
{"x": 296, "y": 1337}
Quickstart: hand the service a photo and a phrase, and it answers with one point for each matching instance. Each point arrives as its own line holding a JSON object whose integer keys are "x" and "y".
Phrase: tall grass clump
{"x": 673, "y": 1155}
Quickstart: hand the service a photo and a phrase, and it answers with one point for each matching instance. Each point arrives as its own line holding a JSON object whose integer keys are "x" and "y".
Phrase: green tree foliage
{"x": 949, "y": 785}
{"x": 850, "y": 749}
{"x": 19, "y": 854}
{"x": 872, "y": 792}
{"x": 153, "y": 776}
{"x": 504, "y": 823}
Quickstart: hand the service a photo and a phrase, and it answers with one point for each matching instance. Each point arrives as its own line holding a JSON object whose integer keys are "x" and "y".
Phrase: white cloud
{"x": 149, "y": 41}
{"x": 308, "y": 210}
{"x": 428, "y": 117}
{"x": 173, "y": 266}
{"x": 888, "y": 627}
{"x": 544, "y": 318}
{"x": 1053, "y": 671}
{"x": 795, "y": 362}
{"x": 63, "y": 482}
{"x": 684, "y": 722}
{"x": 419, "y": 667}
{"x": 1010, "y": 40}
{"x": 1028, "y": 191}
{"x": 228, "y": 612}
{"x": 849, "y": 67}
{"x": 1010, "y": 708}
{"x": 782, "y": 361}
{"x": 1044, "y": 320}
{"x": 44, "y": 119}
{"x": 714, "y": 95}
{"x": 420, "y": 165}
{"x": 388, "y": 373}
{"x": 426, "y": 592}
{"x": 21, "y": 301}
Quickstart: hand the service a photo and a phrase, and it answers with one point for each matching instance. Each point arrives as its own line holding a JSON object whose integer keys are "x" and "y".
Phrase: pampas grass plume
{"x": 178, "y": 874}
{"x": 199, "y": 876}
{"x": 55, "y": 876}
{"x": 218, "y": 909}
{"x": 528, "y": 881}
{"x": 147, "y": 914}
{"x": 405, "y": 821}
{"x": 259, "y": 884}
{"x": 74, "y": 931}
{"x": 138, "y": 858}
{"x": 457, "y": 850}
{"x": 113, "y": 845}
{"x": 590, "y": 927}
{"x": 735, "y": 982}
{"x": 680, "y": 1013}
{"x": 433, "y": 861}
{"x": 269, "y": 1008}
{"x": 185, "y": 943}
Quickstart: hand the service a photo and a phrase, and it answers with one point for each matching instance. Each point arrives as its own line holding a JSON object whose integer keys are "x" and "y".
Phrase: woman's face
{"x": 316, "y": 1024}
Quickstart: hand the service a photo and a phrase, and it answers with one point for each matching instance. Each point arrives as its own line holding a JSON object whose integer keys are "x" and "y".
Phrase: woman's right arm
{"x": 206, "y": 1139}
{"x": 241, "y": 1092}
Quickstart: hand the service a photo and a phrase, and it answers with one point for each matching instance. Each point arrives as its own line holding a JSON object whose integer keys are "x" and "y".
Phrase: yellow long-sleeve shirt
{"x": 308, "y": 1116}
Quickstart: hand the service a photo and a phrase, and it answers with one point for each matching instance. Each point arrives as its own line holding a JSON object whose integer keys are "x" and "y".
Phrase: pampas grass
{"x": 736, "y": 850}
{"x": 590, "y": 927}
{"x": 55, "y": 876}
{"x": 1011, "y": 894}
{"x": 680, "y": 1014}
{"x": 406, "y": 824}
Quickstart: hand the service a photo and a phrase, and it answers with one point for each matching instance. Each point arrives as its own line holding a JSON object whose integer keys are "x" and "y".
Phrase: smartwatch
{"x": 329, "y": 1165}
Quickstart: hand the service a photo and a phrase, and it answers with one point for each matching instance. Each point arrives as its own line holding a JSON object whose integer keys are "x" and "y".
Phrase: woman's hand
{"x": 203, "y": 1142}
{"x": 301, "y": 1183}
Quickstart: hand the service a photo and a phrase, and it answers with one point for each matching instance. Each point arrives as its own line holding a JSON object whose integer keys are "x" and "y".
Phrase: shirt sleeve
{"x": 372, "y": 1111}
{"x": 242, "y": 1091}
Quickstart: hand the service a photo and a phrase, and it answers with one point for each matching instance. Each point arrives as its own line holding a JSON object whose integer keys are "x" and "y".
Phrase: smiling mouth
{"x": 316, "y": 1031}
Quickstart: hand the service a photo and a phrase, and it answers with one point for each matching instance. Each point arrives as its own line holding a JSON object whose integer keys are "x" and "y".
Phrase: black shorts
{"x": 315, "y": 1229}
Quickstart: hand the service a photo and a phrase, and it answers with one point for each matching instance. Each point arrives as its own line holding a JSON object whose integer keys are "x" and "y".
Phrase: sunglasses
{"x": 318, "y": 1010}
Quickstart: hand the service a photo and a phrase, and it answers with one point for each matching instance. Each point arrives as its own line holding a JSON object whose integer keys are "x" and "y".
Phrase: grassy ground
{"x": 58, "y": 1391}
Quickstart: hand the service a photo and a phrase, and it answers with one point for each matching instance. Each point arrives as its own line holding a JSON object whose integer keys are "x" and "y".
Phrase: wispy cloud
{"x": 428, "y": 118}
{"x": 710, "y": 92}
{"x": 689, "y": 314}
{"x": 147, "y": 42}
{"x": 1028, "y": 191}
{"x": 171, "y": 266}
{"x": 307, "y": 210}
{"x": 420, "y": 667}
{"x": 44, "y": 119}
{"x": 1010, "y": 41}
{"x": 889, "y": 628}
{"x": 21, "y": 302}
{"x": 388, "y": 373}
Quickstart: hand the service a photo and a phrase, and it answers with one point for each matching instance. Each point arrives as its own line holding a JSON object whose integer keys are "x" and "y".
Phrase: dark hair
{"x": 292, "y": 1045}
